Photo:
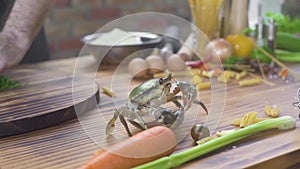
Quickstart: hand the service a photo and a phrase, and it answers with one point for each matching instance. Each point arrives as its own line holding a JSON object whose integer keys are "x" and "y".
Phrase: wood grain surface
{"x": 44, "y": 98}
{"x": 70, "y": 144}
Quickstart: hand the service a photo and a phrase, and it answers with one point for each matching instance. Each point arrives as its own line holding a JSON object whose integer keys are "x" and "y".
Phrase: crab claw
{"x": 189, "y": 93}
{"x": 169, "y": 118}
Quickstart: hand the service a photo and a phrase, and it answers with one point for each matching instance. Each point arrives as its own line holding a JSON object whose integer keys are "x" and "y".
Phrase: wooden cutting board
{"x": 44, "y": 99}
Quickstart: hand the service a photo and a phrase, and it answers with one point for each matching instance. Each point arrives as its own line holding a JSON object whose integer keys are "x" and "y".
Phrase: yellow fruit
{"x": 242, "y": 45}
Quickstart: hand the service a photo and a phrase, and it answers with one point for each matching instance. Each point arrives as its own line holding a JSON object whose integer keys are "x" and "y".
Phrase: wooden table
{"x": 67, "y": 144}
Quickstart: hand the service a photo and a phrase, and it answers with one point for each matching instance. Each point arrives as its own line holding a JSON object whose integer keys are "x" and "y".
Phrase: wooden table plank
{"x": 68, "y": 146}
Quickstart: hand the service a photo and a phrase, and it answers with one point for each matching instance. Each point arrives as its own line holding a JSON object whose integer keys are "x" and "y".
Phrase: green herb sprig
{"x": 7, "y": 83}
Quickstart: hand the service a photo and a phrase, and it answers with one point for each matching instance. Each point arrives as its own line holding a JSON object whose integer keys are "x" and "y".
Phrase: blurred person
{"x": 22, "y": 39}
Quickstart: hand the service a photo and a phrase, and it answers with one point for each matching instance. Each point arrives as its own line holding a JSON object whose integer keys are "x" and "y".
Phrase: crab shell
{"x": 152, "y": 90}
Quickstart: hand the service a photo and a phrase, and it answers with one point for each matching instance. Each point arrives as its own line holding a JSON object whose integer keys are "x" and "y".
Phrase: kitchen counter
{"x": 69, "y": 145}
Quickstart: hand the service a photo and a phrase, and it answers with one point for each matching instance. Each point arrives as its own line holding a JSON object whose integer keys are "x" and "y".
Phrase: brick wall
{"x": 69, "y": 20}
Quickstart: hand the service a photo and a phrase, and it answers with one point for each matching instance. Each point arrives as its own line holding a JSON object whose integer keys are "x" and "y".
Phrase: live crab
{"x": 149, "y": 97}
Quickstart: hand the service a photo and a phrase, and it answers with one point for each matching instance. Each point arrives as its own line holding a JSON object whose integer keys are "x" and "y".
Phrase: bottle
{"x": 271, "y": 35}
{"x": 259, "y": 28}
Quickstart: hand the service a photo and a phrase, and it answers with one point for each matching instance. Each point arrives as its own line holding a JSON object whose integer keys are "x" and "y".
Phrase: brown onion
{"x": 218, "y": 50}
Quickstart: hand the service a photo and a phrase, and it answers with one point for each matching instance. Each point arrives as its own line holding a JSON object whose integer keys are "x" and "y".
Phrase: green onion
{"x": 282, "y": 123}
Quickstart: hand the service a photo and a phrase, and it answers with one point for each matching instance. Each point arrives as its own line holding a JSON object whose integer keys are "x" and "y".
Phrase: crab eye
{"x": 161, "y": 81}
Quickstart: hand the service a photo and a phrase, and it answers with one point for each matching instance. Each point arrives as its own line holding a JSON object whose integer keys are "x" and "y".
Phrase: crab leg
{"x": 179, "y": 113}
{"x": 195, "y": 102}
{"x": 124, "y": 123}
{"x": 141, "y": 120}
{"x": 172, "y": 97}
{"x": 111, "y": 124}
{"x": 137, "y": 125}
{"x": 118, "y": 114}
{"x": 202, "y": 105}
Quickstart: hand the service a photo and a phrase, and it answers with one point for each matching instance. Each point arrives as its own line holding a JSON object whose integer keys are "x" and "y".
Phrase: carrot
{"x": 141, "y": 148}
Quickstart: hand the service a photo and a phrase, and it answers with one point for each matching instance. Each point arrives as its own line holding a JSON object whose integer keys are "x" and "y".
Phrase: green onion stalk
{"x": 282, "y": 123}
